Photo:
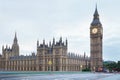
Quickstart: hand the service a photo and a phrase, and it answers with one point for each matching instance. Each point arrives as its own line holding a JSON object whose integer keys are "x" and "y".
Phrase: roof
{"x": 96, "y": 20}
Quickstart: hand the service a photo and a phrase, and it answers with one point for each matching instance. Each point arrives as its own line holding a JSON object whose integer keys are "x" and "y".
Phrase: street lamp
{"x": 94, "y": 68}
{"x": 50, "y": 63}
{"x": 81, "y": 67}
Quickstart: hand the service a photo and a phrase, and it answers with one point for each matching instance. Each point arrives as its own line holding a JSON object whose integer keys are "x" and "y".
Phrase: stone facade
{"x": 52, "y": 57}
{"x": 96, "y": 36}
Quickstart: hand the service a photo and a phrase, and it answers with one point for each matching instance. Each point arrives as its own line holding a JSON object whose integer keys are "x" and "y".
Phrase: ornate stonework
{"x": 52, "y": 57}
{"x": 96, "y": 35}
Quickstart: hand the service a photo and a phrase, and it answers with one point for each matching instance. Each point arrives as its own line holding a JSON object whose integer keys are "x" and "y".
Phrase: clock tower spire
{"x": 96, "y": 35}
{"x": 96, "y": 20}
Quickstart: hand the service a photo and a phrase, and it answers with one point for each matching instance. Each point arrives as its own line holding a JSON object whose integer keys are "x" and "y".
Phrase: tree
{"x": 118, "y": 66}
{"x": 110, "y": 66}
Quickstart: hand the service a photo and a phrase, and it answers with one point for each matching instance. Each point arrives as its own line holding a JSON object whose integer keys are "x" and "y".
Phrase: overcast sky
{"x": 44, "y": 19}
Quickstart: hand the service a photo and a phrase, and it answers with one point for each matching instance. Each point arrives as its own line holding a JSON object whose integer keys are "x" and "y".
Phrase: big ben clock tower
{"x": 96, "y": 35}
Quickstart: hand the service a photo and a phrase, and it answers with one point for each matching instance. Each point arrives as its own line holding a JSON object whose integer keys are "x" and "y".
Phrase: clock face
{"x": 94, "y": 30}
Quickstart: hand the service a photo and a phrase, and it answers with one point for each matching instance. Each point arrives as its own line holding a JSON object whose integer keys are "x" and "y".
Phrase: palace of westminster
{"x": 55, "y": 57}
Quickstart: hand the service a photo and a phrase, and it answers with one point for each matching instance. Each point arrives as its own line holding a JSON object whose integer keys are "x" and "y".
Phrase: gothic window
{"x": 45, "y": 52}
{"x": 32, "y": 62}
{"x": 50, "y": 51}
{"x": 57, "y": 51}
{"x": 62, "y": 52}
{"x": 41, "y": 61}
{"x": 40, "y": 52}
{"x": 57, "y": 60}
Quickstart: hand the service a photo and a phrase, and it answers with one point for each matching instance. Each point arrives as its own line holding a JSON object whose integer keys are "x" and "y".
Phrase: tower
{"x": 96, "y": 35}
{"x": 15, "y": 47}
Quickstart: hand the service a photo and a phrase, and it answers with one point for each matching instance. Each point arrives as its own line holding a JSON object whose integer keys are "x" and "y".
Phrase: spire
{"x": 3, "y": 47}
{"x": 43, "y": 41}
{"x": 6, "y": 46}
{"x": 60, "y": 41}
{"x": 66, "y": 42}
{"x": 50, "y": 43}
{"x": 37, "y": 43}
{"x": 15, "y": 46}
{"x": 9, "y": 47}
{"x": 96, "y": 20}
{"x": 53, "y": 41}
{"x": 96, "y": 15}
{"x": 84, "y": 54}
{"x": 15, "y": 38}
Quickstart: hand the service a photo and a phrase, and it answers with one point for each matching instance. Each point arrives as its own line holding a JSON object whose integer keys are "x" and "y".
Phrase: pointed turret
{"x": 96, "y": 20}
{"x": 53, "y": 41}
{"x": 66, "y": 42}
{"x": 3, "y": 48}
{"x": 37, "y": 43}
{"x": 60, "y": 40}
{"x": 50, "y": 43}
{"x": 6, "y": 46}
{"x": 84, "y": 54}
{"x": 15, "y": 46}
{"x": 15, "y": 39}
{"x": 43, "y": 42}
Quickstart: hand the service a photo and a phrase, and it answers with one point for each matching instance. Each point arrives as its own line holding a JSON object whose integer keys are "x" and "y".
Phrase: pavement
{"x": 58, "y": 76}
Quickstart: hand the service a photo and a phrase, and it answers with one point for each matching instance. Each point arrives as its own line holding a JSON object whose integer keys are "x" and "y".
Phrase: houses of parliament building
{"x": 55, "y": 56}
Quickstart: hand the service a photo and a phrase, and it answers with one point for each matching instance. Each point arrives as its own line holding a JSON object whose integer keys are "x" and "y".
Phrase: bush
{"x": 85, "y": 70}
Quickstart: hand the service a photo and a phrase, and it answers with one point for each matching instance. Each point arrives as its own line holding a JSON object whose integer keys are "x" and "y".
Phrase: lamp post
{"x": 81, "y": 67}
{"x": 50, "y": 63}
{"x": 94, "y": 68}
